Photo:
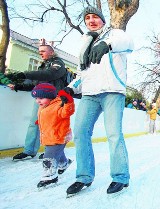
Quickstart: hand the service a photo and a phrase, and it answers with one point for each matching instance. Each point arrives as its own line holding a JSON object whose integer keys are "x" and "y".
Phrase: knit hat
{"x": 44, "y": 90}
{"x": 93, "y": 10}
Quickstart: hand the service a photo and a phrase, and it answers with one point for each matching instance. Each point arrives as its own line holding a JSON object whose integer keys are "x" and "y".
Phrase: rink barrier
{"x": 15, "y": 114}
{"x": 14, "y": 151}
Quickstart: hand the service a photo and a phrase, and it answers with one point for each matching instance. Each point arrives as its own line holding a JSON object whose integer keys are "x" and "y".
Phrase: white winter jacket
{"x": 111, "y": 74}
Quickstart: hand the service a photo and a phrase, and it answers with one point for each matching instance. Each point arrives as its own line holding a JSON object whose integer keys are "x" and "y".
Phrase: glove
{"x": 69, "y": 90}
{"x": 97, "y": 52}
{"x": 86, "y": 62}
{"x": 36, "y": 122}
{"x": 65, "y": 97}
{"x": 18, "y": 87}
{"x": 20, "y": 76}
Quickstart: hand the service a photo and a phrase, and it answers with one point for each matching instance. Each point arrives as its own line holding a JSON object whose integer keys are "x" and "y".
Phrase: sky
{"x": 18, "y": 181}
{"x": 140, "y": 27}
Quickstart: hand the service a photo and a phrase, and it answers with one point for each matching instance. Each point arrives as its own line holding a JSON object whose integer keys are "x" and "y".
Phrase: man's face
{"x": 93, "y": 22}
{"x": 46, "y": 52}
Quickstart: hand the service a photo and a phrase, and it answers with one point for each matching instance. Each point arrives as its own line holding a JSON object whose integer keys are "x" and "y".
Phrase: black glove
{"x": 69, "y": 90}
{"x": 20, "y": 75}
{"x": 18, "y": 87}
{"x": 97, "y": 52}
{"x": 65, "y": 96}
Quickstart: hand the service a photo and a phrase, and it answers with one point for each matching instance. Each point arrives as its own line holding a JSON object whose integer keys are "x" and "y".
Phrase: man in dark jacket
{"x": 52, "y": 70}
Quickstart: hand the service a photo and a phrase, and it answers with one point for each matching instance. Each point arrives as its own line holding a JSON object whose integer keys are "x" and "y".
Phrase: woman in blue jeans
{"x": 101, "y": 78}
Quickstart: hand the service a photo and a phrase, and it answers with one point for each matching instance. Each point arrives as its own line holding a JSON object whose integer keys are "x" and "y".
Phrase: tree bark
{"x": 4, "y": 27}
{"x": 121, "y": 11}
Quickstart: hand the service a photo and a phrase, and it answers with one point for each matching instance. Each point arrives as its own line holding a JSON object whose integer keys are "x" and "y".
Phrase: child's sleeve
{"x": 67, "y": 110}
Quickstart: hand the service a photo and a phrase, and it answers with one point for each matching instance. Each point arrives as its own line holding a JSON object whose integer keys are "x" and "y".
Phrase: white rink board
{"x": 16, "y": 109}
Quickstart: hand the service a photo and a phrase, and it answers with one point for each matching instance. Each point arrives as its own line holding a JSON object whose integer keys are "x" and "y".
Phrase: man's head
{"x": 46, "y": 52}
{"x": 93, "y": 18}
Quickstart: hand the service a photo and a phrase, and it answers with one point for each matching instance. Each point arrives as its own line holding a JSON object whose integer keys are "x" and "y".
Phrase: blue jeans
{"x": 89, "y": 109}
{"x": 32, "y": 142}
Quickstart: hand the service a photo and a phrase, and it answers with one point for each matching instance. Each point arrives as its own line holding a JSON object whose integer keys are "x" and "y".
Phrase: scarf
{"x": 88, "y": 40}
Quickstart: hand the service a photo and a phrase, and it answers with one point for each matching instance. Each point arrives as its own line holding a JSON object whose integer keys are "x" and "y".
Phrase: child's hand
{"x": 68, "y": 137}
{"x": 65, "y": 97}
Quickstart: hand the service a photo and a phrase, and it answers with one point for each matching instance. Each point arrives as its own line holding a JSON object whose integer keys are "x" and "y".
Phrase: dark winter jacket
{"x": 52, "y": 71}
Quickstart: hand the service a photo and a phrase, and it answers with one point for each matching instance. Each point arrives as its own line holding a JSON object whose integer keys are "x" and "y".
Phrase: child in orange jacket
{"x": 55, "y": 132}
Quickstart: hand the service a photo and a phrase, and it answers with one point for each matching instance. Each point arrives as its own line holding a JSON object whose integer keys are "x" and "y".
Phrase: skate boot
{"x": 22, "y": 156}
{"x": 116, "y": 187}
{"x": 49, "y": 172}
{"x": 47, "y": 182}
{"x": 76, "y": 187}
{"x": 62, "y": 169}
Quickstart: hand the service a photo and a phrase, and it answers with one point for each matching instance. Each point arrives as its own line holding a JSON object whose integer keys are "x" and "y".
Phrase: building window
{"x": 33, "y": 64}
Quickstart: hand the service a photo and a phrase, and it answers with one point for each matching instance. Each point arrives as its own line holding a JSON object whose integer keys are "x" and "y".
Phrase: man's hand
{"x": 18, "y": 87}
{"x": 65, "y": 96}
{"x": 97, "y": 52}
{"x": 11, "y": 86}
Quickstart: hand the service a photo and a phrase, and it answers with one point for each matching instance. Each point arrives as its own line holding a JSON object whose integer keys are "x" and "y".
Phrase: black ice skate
{"x": 47, "y": 182}
{"x": 116, "y": 187}
{"x": 63, "y": 169}
{"x": 22, "y": 156}
{"x": 76, "y": 187}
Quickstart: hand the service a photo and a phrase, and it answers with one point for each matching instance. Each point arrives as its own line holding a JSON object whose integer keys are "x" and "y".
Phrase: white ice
{"x": 18, "y": 181}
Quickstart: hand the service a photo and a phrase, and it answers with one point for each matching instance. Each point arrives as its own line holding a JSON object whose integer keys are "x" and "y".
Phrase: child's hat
{"x": 44, "y": 90}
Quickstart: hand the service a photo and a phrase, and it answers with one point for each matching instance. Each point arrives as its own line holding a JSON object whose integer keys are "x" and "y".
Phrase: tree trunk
{"x": 121, "y": 11}
{"x": 5, "y": 34}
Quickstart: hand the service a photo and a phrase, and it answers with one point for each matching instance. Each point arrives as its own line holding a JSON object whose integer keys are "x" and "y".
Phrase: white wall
{"x": 16, "y": 109}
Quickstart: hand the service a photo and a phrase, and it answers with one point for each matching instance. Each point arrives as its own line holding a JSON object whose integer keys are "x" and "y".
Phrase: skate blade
{"x": 47, "y": 186}
{"x": 23, "y": 159}
{"x": 116, "y": 194}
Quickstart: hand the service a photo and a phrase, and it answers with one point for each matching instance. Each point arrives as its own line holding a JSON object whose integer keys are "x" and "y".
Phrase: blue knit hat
{"x": 93, "y": 10}
{"x": 44, "y": 90}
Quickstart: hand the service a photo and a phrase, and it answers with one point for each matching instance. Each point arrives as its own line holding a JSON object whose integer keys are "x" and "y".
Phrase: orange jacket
{"x": 54, "y": 122}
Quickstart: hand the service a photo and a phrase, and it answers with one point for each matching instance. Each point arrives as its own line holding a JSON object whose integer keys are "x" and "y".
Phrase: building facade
{"x": 23, "y": 55}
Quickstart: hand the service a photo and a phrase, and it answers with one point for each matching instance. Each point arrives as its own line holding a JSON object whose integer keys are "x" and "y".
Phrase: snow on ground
{"x": 18, "y": 181}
